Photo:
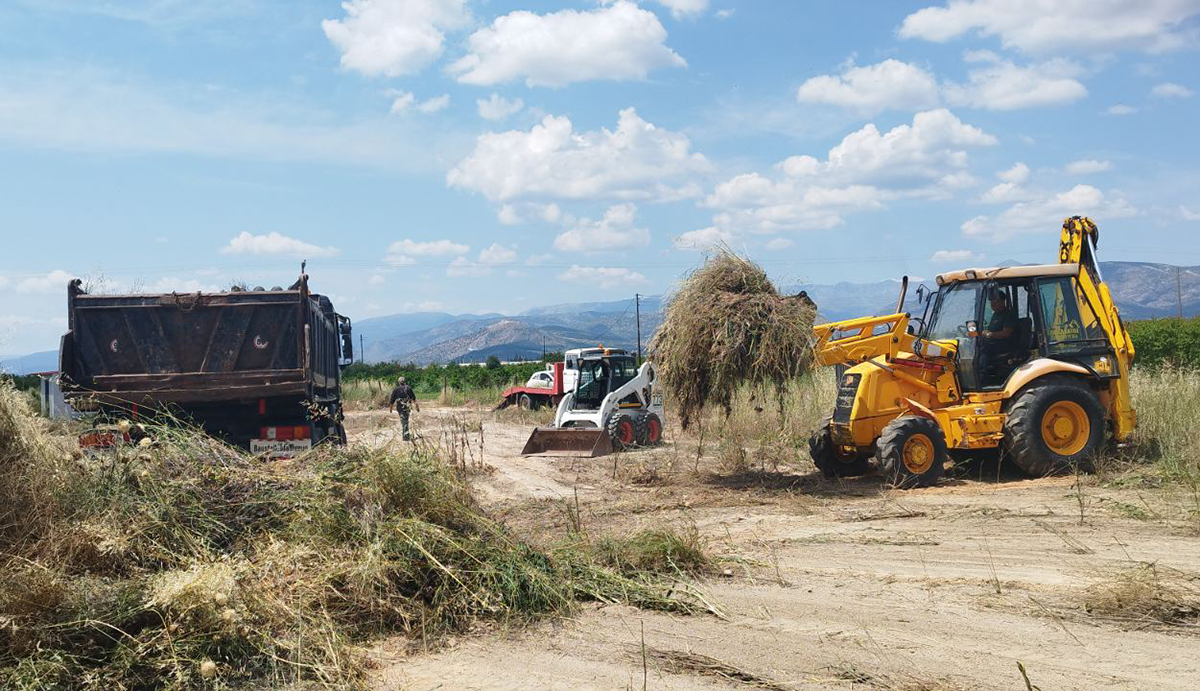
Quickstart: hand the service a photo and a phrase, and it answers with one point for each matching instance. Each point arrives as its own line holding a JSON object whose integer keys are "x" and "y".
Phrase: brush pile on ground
{"x": 187, "y": 564}
{"x": 728, "y": 326}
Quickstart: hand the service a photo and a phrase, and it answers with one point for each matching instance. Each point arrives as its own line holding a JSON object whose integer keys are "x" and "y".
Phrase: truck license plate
{"x": 280, "y": 448}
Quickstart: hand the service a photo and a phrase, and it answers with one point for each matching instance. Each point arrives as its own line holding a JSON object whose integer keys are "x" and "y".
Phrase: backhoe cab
{"x": 1033, "y": 360}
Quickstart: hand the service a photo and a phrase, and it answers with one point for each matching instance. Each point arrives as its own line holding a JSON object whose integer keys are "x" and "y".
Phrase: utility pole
{"x": 362, "y": 351}
{"x": 637, "y": 310}
{"x": 1179, "y": 288}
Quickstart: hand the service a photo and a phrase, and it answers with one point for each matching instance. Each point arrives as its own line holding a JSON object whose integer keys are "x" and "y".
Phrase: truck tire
{"x": 830, "y": 460}
{"x": 622, "y": 430}
{"x": 912, "y": 451}
{"x": 341, "y": 435}
{"x": 652, "y": 427}
{"x": 524, "y": 402}
{"x": 1054, "y": 425}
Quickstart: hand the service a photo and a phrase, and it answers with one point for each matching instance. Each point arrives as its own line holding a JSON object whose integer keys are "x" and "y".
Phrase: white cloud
{"x": 888, "y": 84}
{"x": 1188, "y": 215}
{"x": 434, "y": 104}
{"x": 1009, "y": 188}
{"x": 1043, "y": 26}
{"x": 617, "y": 42}
{"x": 954, "y": 256}
{"x": 1088, "y": 166}
{"x": 867, "y": 169}
{"x": 178, "y": 285}
{"x": 681, "y": 9}
{"x": 496, "y": 107}
{"x": 604, "y": 277}
{"x": 1003, "y": 85}
{"x": 613, "y": 232}
{"x": 402, "y": 102}
{"x": 52, "y": 282}
{"x": 703, "y": 239}
{"x": 1044, "y": 213}
{"x": 377, "y": 279}
{"x": 402, "y": 252}
{"x": 777, "y": 244}
{"x": 275, "y": 243}
{"x": 1170, "y": 90}
{"x": 1121, "y": 109}
{"x": 551, "y": 161}
{"x": 497, "y": 254}
{"x": 393, "y": 37}
{"x": 461, "y": 266}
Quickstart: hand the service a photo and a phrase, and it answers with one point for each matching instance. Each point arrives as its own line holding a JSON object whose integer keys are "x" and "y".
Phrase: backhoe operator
{"x": 999, "y": 339}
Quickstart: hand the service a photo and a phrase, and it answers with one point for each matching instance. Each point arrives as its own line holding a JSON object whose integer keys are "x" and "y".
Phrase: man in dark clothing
{"x": 999, "y": 339}
{"x": 404, "y": 399}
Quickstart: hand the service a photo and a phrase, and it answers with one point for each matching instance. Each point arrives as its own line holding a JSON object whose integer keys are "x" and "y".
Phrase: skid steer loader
{"x": 1033, "y": 360}
{"x": 614, "y": 405}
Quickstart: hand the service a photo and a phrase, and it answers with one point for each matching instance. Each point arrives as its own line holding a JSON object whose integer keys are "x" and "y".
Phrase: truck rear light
{"x": 302, "y": 432}
{"x": 286, "y": 433}
{"x": 262, "y": 406}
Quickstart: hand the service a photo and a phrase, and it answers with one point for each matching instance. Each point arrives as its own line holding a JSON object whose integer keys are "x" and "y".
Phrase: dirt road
{"x": 831, "y": 585}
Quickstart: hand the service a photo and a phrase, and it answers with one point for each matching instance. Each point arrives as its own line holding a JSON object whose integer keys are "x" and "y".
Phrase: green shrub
{"x": 1166, "y": 341}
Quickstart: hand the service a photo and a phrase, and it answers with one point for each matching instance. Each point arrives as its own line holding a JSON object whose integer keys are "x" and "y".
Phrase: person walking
{"x": 403, "y": 399}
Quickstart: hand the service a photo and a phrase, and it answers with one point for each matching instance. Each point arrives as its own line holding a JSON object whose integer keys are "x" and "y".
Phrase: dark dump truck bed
{"x": 255, "y": 365}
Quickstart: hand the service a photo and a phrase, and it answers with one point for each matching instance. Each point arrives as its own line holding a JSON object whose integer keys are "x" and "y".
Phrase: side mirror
{"x": 347, "y": 347}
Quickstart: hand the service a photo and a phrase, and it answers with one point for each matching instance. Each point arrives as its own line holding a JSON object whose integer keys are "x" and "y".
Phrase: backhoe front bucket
{"x": 568, "y": 441}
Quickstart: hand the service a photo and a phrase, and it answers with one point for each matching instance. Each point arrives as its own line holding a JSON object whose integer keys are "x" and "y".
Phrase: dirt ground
{"x": 823, "y": 585}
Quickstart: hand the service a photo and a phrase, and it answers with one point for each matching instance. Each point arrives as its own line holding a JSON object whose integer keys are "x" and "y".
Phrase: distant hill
{"x": 46, "y": 361}
{"x": 1143, "y": 290}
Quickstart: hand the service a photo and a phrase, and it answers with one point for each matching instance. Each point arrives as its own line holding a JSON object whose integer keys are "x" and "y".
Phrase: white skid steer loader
{"x": 614, "y": 405}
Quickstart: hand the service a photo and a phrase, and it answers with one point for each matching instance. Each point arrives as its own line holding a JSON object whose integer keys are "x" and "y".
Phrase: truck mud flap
{"x": 570, "y": 442}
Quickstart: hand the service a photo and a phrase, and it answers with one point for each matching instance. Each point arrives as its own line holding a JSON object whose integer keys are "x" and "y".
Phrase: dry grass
{"x": 1145, "y": 595}
{"x": 188, "y": 563}
{"x": 726, "y": 327}
{"x": 683, "y": 662}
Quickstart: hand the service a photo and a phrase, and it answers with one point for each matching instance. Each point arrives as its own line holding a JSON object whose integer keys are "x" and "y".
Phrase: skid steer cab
{"x": 614, "y": 405}
{"x": 1031, "y": 360}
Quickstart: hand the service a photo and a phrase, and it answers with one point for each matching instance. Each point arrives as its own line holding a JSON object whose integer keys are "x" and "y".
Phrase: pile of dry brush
{"x": 186, "y": 563}
{"x": 728, "y": 326}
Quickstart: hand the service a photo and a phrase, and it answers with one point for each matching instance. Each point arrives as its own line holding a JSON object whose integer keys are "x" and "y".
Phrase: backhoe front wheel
{"x": 912, "y": 451}
{"x": 831, "y": 459}
{"x": 1054, "y": 426}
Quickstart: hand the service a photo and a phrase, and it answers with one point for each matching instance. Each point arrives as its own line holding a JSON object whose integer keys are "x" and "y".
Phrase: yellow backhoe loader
{"x": 1033, "y": 360}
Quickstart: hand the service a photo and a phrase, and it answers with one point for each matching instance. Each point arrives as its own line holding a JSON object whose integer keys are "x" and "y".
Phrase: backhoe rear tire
{"x": 912, "y": 451}
{"x": 1055, "y": 425}
{"x": 831, "y": 460}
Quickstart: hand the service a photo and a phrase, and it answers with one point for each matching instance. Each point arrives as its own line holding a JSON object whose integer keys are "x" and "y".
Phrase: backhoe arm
{"x": 852, "y": 341}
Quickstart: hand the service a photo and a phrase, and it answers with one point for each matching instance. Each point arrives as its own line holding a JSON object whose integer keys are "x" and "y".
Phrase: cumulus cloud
{"x": 497, "y": 254}
{"x": 617, "y": 42}
{"x": 996, "y": 84}
{"x": 1188, "y": 215}
{"x": 496, "y": 107}
{"x": 405, "y": 100}
{"x": 867, "y": 169}
{"x": 1040, "y": 26}
{"x": 402, "y": 252}
{"x": 604, "y": 277}
{"x": 489, "y": 257}
{"x": 1044, "y": 213}
{"x": 1121, "y": 109}
{"x": 552, "y": 161}
{"x": 615, "y": 231}
{"x": 1002, "y": 85}
{"x": 1170, "y": 90}
{"x": 434, "y": 104}
{"x": 1088, "y": 166}
{"x": 402, "y": 101}
{"x": 52, "y": 282}
{"x": 954, "y": 256}
{"x": 681, "y": 9}
{"x": 393, "y": 37}
{"x": 276, "y": 244}
{"x": 1009, "y": 188}
{"x": 873, "y": 88}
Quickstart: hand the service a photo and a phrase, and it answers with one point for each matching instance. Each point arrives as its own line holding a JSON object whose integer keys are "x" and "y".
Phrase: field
{"x": 718, "y": 561}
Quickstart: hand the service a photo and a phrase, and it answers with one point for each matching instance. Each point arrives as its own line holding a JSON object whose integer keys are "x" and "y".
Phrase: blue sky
{"x": 486, "y": 155}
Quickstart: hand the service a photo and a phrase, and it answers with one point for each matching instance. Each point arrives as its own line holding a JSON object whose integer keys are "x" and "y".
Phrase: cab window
{"x": 957, "y": 305}
{"x": 1070, "y": 323}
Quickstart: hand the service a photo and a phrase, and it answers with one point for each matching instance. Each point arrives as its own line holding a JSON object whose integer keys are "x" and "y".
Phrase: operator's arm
{"x": 395, "y": 395}
{"x": 412, "y": 396}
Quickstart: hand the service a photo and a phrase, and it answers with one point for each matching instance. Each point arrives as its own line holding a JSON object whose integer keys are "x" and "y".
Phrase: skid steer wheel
{"x": 650, "y": 432}
{"x": 831, "y": 460}
{"x": 912, "y": 451}
{"x": 1054, "y": 426}
{"x": 622, "y": 430}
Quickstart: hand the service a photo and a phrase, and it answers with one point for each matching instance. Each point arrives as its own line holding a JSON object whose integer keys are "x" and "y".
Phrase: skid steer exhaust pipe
{"x": 573, "y": 442}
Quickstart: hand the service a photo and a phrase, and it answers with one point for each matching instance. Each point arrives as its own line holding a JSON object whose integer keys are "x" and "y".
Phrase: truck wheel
{"x": 912, "y": 451}
{"x": 341, "y": 434}
{"x": 524, "y": 402}
{"x": 622, "y": 430}
{"x": 652, "y": 426}
{"x": 1053, "y": 426}
{"x": 831, "y": 460}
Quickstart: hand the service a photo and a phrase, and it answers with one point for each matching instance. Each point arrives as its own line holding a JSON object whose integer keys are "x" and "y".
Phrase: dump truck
{"x": 614, "y": 404}
{"x": 1030, "y": 360}
{"x": 545, "y": 388}
{"x": 258, "y": 368}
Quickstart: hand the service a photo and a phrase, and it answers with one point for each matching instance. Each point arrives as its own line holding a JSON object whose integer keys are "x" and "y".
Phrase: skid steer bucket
{"x": 569, "y": 441}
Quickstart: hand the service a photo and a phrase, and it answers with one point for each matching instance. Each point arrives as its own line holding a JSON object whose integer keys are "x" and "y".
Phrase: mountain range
{"x": 1142, "y": 290}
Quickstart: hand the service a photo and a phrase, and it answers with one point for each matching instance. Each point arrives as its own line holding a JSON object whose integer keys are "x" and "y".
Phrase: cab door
{"x": 957, "y": 312}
